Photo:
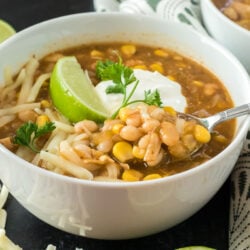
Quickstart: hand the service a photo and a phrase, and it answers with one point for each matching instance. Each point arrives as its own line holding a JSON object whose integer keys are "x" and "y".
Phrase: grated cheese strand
{"x": 51, "y": 247}
{"x": 3, "y": 218}
{"x": 6, "y": 243}
{"x": 3, "y": 195}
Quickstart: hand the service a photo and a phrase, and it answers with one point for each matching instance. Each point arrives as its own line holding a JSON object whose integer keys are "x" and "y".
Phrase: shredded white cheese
{"x": 51, "y": 247}
{"x": 3, "y": 196}
{"x": 6, "y": 243}
{"x": 3, "y": 217}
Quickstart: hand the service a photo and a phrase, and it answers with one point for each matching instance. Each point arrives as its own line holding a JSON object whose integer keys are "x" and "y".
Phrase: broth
{"x": 204, "y": 93}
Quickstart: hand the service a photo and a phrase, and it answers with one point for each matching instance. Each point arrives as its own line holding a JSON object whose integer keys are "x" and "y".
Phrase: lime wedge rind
{"x": 6, "y": 30}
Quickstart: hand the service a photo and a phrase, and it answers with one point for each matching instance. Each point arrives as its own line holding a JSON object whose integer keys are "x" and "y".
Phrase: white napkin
{"x": 239, "y": 234}
{"x": 188, "y": 12}
{"x": 185, "y": 11}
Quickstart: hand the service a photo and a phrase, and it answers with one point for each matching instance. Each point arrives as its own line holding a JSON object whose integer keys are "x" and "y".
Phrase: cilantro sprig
{"x": 122, "y": 76}
{"x": 29, "y": 132}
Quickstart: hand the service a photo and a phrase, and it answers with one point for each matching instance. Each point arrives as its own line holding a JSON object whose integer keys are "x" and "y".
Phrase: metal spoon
{"x": 211, "y": 121}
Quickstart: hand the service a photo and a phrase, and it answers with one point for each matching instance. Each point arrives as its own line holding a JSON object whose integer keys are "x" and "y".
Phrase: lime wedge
{"x": 6, "y": 31}
{"x": 195, "y": 248}
{"x": 73, "y": 94}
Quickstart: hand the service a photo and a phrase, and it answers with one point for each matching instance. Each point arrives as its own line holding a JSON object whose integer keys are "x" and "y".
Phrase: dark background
{"x": 208, "y": 227}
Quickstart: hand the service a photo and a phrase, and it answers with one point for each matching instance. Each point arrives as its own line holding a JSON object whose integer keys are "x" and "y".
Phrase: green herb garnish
{"x": 122, "y": 76}
{"x": 29, "y": 132}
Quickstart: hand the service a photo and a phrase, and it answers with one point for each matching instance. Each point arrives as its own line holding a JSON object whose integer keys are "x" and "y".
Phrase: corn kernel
{"x": 132, "y": 175}
{"x": 122, "y": 151}
{"x": 96, "y": 53}
{"x": 138, "y": 152}
{"x": 201, "y": 134}
{"x": 117, "y": 128}
{"x": 198, "y": 83}
{"x": 172, "y": 78}
{"x": 152, "y": 177}
{"x": 41, "y": 120}
{"x": 140, "y": 66}
{"x": 128, "y": 49}
{"x": 170, "y": 110}
{"x": 220, "y": 138}
{"x": 45, "y": 104}
{"x": 157, "y": 67}
{"x": 124, "y": 114}
{"x": 161, "y": 53}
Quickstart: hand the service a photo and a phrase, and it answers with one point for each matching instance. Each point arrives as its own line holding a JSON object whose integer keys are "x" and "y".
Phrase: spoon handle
{"x": 227, "y": 115}
{"x": 235, "y": 112}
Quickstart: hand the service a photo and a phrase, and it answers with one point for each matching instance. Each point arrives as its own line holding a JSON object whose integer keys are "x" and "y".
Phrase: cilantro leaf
{"x": 48, "y": 127}
{"x": 29, "y": 132}
{"x": 153, "y": 97}
{"x": 101, "y": 67}
{"x": 24, "y": 134}
{"x": 116, "y": 89}
{"x": 115, "y": 71}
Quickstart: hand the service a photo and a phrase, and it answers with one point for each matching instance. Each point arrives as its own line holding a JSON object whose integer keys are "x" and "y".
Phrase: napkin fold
{"x": 188, "y": 12}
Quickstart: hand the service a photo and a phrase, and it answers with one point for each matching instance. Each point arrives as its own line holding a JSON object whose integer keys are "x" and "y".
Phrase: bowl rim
{"x": 217, "y": 12}
{"x": 106, "y": 184}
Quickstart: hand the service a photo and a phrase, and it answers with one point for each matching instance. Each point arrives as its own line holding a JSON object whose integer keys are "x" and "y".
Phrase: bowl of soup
{"x": 128, "y": 170}
{"x": 228, "y": 23}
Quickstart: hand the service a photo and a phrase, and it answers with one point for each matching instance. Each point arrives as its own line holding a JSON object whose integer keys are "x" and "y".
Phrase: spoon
{"x": 211, "y": 121}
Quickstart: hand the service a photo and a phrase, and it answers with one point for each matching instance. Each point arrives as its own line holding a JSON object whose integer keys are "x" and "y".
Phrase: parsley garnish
{"x": 29, "y": 132}
{"x": 122, "y": 76}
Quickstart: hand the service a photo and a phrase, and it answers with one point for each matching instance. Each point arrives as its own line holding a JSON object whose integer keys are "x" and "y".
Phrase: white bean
{"x": 86, "y": 126}
{"x": 130, "y": 133}
{"x": 150, "y": 125}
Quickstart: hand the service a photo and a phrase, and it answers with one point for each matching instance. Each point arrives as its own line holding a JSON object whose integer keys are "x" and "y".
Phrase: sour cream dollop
{"x": 170, "y": 91}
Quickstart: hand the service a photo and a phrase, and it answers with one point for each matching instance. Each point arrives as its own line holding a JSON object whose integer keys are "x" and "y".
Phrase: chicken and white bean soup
{"x": 236, "y": 10}
{"x": 141, "y": 138}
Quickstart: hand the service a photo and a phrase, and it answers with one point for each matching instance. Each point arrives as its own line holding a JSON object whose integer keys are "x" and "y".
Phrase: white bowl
{"x": 121, "y": 210}
{"x": 229, "y": 34}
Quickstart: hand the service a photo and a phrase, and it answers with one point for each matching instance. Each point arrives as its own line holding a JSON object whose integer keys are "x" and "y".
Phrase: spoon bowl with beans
{"x": 210, "y": 122}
